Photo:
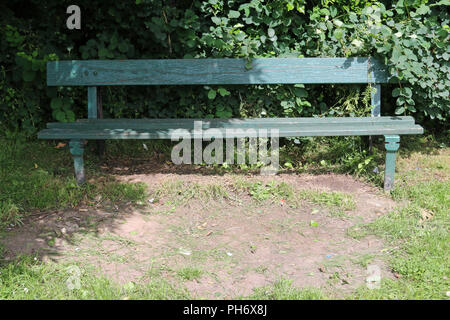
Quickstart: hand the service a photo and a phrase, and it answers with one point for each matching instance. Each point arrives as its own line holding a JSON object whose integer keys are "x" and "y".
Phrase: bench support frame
{"x": 77, "y": 150}
{"x": 392, "y": 143}
{"x": 94, "y": 74}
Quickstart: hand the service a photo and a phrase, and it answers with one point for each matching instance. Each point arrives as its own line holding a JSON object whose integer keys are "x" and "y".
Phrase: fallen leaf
{"x": 426, "y": 215}
{"x": 209, "y": 233}
{"x": 60, "y": 145}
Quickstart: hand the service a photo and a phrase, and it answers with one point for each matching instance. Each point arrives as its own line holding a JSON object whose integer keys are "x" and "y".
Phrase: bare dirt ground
{"x": 217, "y": 248}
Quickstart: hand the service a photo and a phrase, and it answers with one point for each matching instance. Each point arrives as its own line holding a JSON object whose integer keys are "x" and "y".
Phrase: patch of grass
{"x": 357, "y": 231}
{"x": 179, "y": 192}
{"x": 118, "y": 239}
{"x": 30, "y": 279}
{"x": 337, "y": 202}
{"x": 9, "y": 213}
{"x": 275, "y": 192}
{"x": 284, "y": 290}
{"x": 419, "y": 233}
{"x": 134, "y": 192}
{"x": 363, "y": 260}
{"x": 190, "y": 273}
{"x": 336, "y": 154}
{"x": 36, "y": 176}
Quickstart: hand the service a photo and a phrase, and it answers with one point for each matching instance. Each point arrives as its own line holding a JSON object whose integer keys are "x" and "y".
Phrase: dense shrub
{"x": 410, "y": 36}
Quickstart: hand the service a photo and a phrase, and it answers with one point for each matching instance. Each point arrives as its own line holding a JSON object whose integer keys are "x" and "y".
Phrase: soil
{"x": 237, "y": 246}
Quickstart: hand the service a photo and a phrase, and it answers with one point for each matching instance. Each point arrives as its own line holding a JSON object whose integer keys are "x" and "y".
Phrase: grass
{"x": 178, "y": 193}
{"x": 284, "y": 290}
{"x": 190, "y": 273}
{"x": 30, "y": 279}
{"x": 418, "y": 231}
{"x": 36, "y": 176}
{"x": 275, "y": 192}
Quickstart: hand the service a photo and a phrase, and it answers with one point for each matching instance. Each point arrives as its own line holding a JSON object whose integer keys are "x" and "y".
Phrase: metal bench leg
{"x": 392, "y": 143}
{"x": 77, "y": 150}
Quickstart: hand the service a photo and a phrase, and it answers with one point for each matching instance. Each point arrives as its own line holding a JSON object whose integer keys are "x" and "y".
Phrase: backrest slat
{"x": 92, "y": 102}
{"x": 215, "y": 71}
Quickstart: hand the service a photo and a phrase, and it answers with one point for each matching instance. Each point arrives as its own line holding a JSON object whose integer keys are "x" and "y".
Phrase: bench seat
{"x": 97, "y": 74}
{"x": 101, "y": 129}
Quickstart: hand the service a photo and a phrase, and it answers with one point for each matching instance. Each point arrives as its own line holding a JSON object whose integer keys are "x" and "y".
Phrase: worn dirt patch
{"x": 236, "y": 245}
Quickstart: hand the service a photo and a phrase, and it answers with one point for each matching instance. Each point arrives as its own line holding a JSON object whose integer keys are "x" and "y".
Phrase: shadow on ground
{"x": 220, "y": 242}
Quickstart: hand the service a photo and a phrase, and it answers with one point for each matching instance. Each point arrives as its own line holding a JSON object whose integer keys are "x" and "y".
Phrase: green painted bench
{"x": 96, "y": 73}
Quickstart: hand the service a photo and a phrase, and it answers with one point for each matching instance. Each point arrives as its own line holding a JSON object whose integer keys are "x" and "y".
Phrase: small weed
{"x": 284, "y": 290}
{"x": 190, "y": 273}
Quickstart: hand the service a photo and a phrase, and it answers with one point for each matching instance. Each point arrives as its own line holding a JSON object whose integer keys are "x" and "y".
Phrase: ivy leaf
{"x": 212, "y": 94}
{"x": 123, "y": 47}
{"x": 300, "y": 92}
{"x": 216, "y": 20}
{"x": 338, "y": 33}
{"x": 399, "y": 110}
{"x": 223, "y": 92}
{"x": 333, "y": 11}
{"x": 60, "y": 116}
{"x": 407, "y": 92}
{"x": 423, "y": 9}
{"x": 233, "y": 14}
{"x": 56, "y": 103}
{"x": 70, "y": 116}
{"x": 396, "y": 92}
{"x": 102, "y": 53}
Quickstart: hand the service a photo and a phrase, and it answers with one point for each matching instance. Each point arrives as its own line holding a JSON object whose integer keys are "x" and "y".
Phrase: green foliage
{"x": 29, "y": 279}
{"x": 284, "y": 290}
{"x": 190, "y": 273}
{"x": 410, "y": 36}
{"x": 417, "y": 231}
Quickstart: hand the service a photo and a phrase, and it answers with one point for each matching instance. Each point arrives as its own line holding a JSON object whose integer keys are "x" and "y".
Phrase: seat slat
{"x": 228, "y": 123}
{"x": 284, "y": 131}
{"x": 215, "y": 71}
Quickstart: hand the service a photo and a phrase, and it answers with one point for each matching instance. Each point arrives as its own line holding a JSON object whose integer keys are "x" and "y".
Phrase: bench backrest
{"x": 215, "y": 71}
{"x": 93, "y": 73}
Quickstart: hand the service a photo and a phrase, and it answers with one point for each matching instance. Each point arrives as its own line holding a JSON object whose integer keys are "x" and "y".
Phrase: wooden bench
{"x": 95, "y": 73}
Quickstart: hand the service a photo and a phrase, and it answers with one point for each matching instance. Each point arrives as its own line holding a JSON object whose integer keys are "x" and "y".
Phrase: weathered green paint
{"x": 229, "y": 123}
{"x": 96, "y": 73}
{"x": 77, "y": 149}
{"x": 92, "y": 102}
{"x": 392, "y": 143}
{"x": 376, "y": 101}
{"x": 112, "y": 131}
{"x": 215, "y": 71}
